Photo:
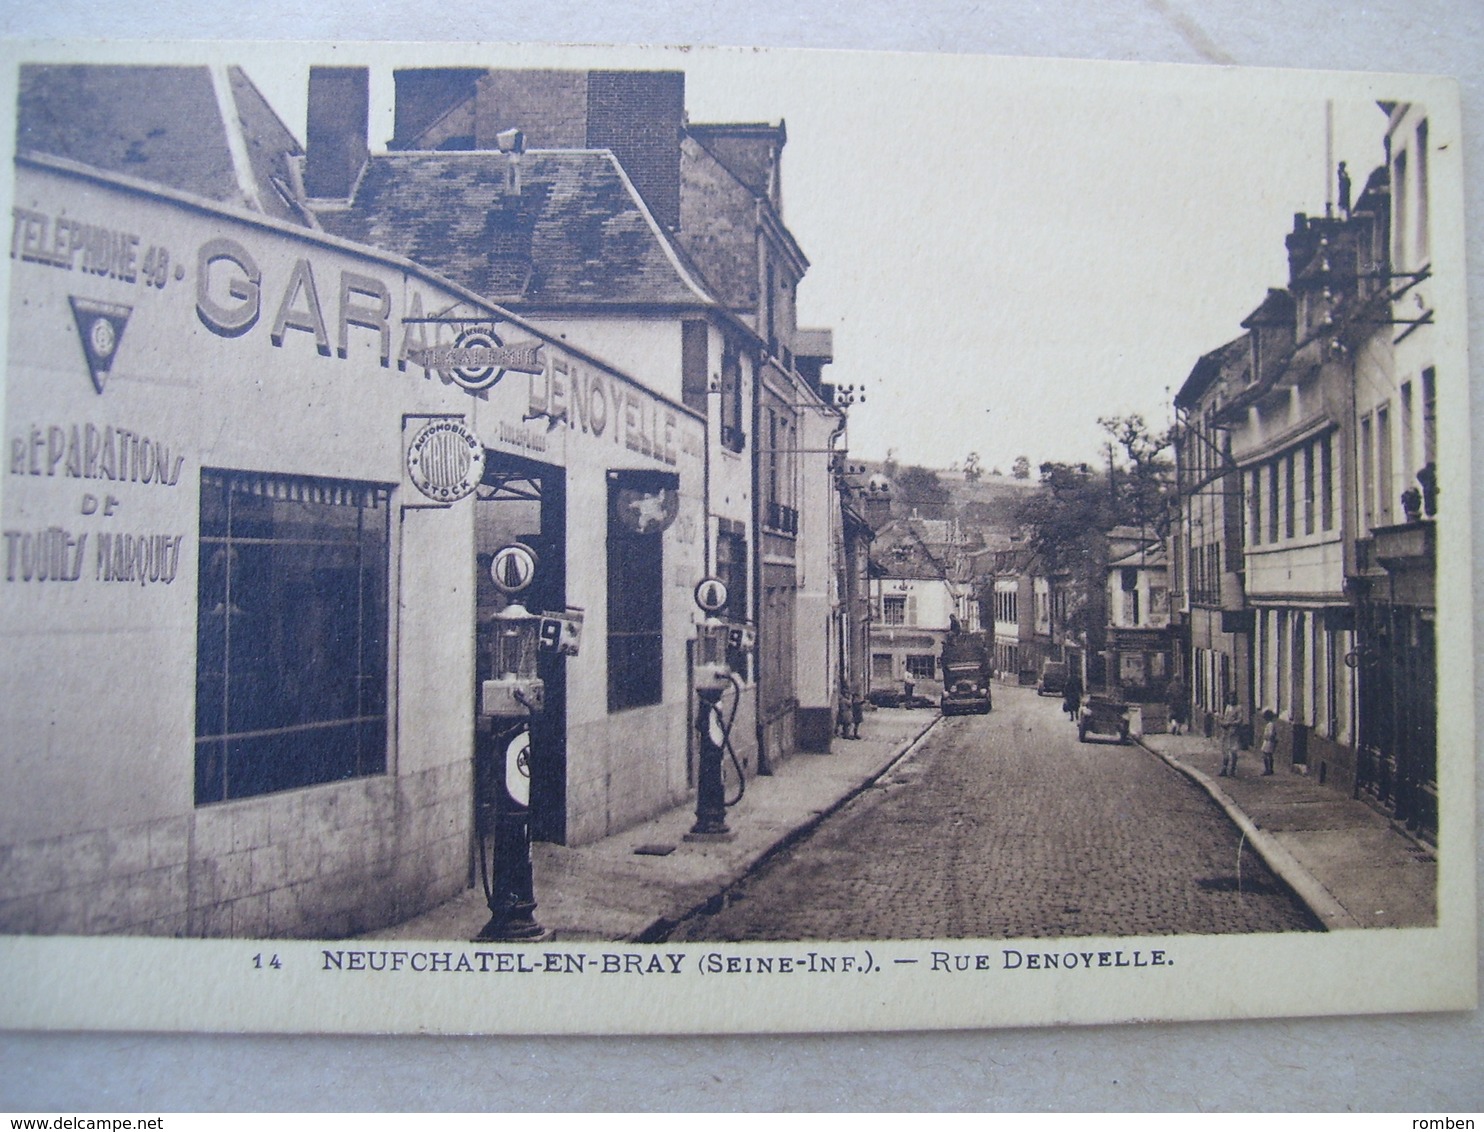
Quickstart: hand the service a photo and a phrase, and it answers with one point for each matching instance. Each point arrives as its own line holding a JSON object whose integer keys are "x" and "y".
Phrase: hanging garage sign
{"x": 477, "y": 358}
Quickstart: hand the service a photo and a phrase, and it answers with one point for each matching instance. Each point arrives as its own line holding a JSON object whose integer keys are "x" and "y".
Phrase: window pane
{"x": 291, "y": 633}
{"x": 635, "y": 606}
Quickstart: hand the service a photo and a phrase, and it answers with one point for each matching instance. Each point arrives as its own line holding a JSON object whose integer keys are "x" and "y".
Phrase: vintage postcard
{"x": 532, "y": 539}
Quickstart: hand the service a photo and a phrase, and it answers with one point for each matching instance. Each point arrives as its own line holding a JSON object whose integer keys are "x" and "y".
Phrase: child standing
{"x": 1269, "y": 739}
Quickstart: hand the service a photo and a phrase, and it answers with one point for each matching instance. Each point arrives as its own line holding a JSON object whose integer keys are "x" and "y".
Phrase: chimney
{"x": 640, "y": 115}
{"x": 335, "y": 136}
{"x": 424, "y": 95}
{"x": 878, "y": 501}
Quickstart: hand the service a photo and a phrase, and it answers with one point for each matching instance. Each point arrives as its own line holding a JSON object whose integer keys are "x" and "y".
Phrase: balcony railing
{"x": 784, "y": 520}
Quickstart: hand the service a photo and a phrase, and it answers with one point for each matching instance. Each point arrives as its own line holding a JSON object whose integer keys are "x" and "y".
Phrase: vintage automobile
{"x": 966, "y": 683}
{"x": 1103, "y": 715}
{"x": 1053, "y": 681}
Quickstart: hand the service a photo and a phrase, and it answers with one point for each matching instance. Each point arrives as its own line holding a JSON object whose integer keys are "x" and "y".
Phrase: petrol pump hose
{"x": 726, "y": 737}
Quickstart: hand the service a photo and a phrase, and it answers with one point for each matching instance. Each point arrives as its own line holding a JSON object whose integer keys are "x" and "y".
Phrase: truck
{"x": 966, "y": 670}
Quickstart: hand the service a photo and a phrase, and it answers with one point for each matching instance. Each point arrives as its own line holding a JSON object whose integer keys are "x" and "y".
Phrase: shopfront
{"x": 252, "y": 476}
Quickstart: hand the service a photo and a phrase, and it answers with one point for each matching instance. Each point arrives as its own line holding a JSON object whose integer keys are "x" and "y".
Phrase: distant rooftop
{"x": 185, "y": 128}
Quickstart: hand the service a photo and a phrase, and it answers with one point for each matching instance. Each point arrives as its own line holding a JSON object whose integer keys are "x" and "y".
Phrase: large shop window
{"x": 641, "y": 505}
{"x": 291, "y": 633}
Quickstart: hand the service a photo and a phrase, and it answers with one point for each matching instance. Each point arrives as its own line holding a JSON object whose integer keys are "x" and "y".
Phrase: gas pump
{"x": 507, "y": 702}
{"x": 712, "y": 676}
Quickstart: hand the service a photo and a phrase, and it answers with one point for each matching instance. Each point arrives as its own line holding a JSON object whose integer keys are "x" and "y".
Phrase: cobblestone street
{"x": 1005, "y": 826}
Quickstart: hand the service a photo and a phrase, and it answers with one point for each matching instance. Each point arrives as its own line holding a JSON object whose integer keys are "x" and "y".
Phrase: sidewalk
{"x": 607, "y": 891}
{"x": 1342, "y": 858}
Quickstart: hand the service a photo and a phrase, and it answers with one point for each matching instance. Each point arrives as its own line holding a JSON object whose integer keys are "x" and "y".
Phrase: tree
{"x": 1021, "y": 469}
{"x": 1142, "y": 488}
{"x": 920, "y": 488}
{"x": 1066, "y": 521}
{"x": 973, "y": 469}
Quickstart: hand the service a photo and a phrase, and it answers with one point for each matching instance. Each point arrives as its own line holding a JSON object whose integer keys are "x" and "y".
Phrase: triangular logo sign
{"x": 101, "y": 328}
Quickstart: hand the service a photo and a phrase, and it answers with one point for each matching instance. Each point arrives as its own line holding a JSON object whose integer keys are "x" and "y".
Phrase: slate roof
{"x": 1151, "y": 556}
{"x": 164, "y": 125}
{"x": 1209, "y": 368}
{"x": 576, "y": 233}
{"x": 919, "y": 548}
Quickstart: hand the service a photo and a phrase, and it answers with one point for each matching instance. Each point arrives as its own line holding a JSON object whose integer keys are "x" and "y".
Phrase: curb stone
{"x": 662, "y": 925}
{"x": 1318, "y": 899}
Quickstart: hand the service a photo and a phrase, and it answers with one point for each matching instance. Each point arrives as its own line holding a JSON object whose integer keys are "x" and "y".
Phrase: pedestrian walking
{"x": 908, "y": 689}
{"x": 1230, "y": 722}
{"x": 1179, "y": 706}
{"x": 857, "y": 710}
{"x": 842, "y": 715}
{"x": 1269, "y": 739}
{"x": 1071, "y": 697}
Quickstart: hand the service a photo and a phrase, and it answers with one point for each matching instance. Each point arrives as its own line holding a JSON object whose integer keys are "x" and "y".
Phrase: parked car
{"x": 1102, "y": 715}
{"x": 1053, "y": 680}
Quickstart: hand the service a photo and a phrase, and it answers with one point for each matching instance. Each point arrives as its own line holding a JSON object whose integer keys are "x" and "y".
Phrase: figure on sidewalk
{"x": 1269, "y": 739}
{"x": 1071, "y": 697}
{"x": 857, "y": 711}
{"x": 843, "y": 715}
{"x": 1231, "y": 736}
{"x": 1179, "y": 707}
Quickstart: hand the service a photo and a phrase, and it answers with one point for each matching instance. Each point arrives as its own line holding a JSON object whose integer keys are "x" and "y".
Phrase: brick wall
{"x": 425, "y": 94}
{"x": 718, "y": 227}
{"x": 335, "y": 136}
{"x": 549, "y": 106}
{"x": 638, "y": 115}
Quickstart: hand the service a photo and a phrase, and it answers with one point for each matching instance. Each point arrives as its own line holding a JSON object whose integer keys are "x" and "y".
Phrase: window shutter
{"x": 694, "y": 380}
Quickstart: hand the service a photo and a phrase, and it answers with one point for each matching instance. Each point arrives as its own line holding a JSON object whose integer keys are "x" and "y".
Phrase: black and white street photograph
{"x": 954, "y": 531}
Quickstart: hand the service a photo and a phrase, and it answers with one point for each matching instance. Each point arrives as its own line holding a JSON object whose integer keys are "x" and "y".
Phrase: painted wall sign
{"x": 116, "y": 455}
{"x": 71, "y": 244}
{"x": 89, "y": 452}
{"x": 595, "y": 403}
{"x": 230, "y": 292}
{"x": 445, "y": 460}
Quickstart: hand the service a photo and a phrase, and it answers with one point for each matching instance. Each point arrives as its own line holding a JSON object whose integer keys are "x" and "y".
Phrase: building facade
{"x": 1396, "y": 509}
{"x": 1140, "y": 659}
{"x": 299, "y": 749}
{"x": 920, "y": 591}
{"x": 594, "y": 208}
{"x": 1212, "y": 626}
{"x": 1320, "y": 419}
{"x": 269, "y": 427}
